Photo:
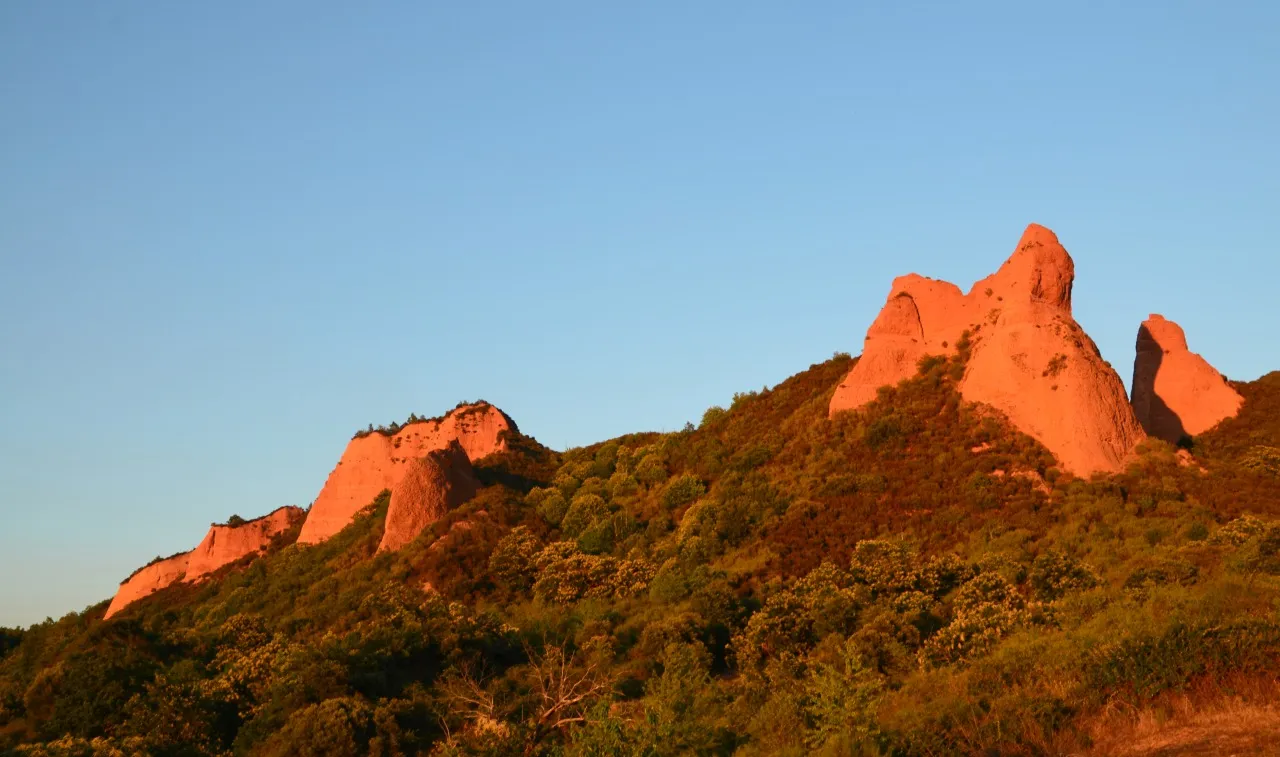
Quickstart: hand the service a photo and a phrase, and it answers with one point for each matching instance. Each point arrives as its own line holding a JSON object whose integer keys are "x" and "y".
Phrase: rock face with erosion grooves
{"x": 149, "y": 580}
{"x": 376, "y": 461}
{"x": 224, "y": 544}
{"x": 1028, "y": 356}
{"x": 432, "y": 486}
{"x": 1176, "y": 392}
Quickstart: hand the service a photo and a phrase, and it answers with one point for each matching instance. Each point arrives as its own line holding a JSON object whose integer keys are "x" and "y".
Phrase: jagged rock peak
{"x": 378, "y": 461}
{"x": 433, "y": 485}
{"x": 1029, "y": 358}
{"x": 1176, "y": 392}
{"x": 1039, "y": 269}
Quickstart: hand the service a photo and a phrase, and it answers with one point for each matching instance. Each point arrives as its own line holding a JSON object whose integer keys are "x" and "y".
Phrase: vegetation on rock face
{"x": 911, "y": 578}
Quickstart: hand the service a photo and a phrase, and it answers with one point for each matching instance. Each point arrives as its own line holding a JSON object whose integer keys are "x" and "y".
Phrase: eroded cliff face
{"x": 376, "y": 462}
{"x": 149, "y": 580}
{"x": 224, "y": 544}
{"x": 432, "y": 486}
{"x": 426, "y": 464}
{"x": 1028, "y": 356}
{"x": 1176, "y": 392}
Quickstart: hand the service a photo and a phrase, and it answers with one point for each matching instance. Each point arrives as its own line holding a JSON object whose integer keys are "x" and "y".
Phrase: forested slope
{"x": 911, "y": 578}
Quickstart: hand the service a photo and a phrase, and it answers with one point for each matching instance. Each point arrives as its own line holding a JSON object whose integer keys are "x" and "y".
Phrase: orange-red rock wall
{"x": 1176, "y": 392}
{"x": 224, "y": 544}
{"x": 376, "y": 462}
{"x": 432, "y": 486}
{"x": 149, "y": 580}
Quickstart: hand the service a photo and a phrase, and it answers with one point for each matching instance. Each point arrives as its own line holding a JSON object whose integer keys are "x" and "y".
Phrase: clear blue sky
{"x": 232, "y": 233}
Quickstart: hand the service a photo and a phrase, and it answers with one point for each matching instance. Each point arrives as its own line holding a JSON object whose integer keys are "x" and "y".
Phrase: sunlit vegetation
{"x": 911, "y": 578}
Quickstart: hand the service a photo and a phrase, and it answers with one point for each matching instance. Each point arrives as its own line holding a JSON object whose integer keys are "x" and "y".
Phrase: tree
{"x": 512, "y": 561}
{"x": 566, "y": 684}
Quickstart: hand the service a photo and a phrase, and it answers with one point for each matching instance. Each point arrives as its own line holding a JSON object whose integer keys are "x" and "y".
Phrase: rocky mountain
{"x": 1026, "y": 355}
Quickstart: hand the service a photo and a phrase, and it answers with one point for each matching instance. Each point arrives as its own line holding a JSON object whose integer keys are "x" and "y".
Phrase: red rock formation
{"x": 148, "y": 580}
{"x": 1029, "y": 358}
{"x": 432, "y": 486}
{"x": 376, "y": 462}
{"x": 1175, "y": 391}
{"x": 224, "y": 544}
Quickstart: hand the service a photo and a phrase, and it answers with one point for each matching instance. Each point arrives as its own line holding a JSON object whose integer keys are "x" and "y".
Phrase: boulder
{"x": 1176, "y": 392}
{"x": 1028, "y": 358}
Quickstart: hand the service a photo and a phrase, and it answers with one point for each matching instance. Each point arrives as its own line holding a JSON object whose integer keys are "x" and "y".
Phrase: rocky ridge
{"x": 148, "y": 580}
{"x": 226, "y": 543}
{"x": 1028, "y": 358}
{"x": 222, "y": 545}
{"x": 375, "y": 462}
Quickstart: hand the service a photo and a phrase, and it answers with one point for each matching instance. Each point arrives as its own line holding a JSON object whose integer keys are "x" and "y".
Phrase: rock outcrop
{"x": 1176, "y": 392}
{"x": 225, "y": 543}
{"x": 1028, "y": 357}
{"x": 222, "y": 545}
{"x": 148, "y": 580}
{"x": 376, "y": 461}
{"x": 432, "y": 485}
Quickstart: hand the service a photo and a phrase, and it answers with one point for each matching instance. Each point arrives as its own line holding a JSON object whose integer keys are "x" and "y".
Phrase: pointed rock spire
{"x": 1176, "y": 392}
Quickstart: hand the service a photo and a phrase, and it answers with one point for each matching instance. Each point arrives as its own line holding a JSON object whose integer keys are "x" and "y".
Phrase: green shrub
{"x": 583, "y": 511}
{"x": 713, "y": 415}
{"x": 682, "y": 490}
{"x": 1054, "y": 573}
{"x": 651, "y": 471}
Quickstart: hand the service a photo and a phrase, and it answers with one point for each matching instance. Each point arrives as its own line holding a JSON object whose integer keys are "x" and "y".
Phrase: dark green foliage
{"x": 1142, "y": 667}
{"x": 9, "y": 638}
{"x": 910, "y": 578}
{"x": 1053, "y": 574}
{"x": 681, "y": 490}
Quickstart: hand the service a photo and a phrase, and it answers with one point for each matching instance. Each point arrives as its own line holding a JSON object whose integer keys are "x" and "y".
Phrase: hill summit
{"x": 1027, "y": 356}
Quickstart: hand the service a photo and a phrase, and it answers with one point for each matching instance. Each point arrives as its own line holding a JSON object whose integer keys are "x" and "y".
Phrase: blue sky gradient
{"x": 233, "y": 233}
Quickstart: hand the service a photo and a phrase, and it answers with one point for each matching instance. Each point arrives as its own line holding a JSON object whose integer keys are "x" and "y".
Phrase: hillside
{"x": 913, "y": 578}
{"x": 966, "y": 541}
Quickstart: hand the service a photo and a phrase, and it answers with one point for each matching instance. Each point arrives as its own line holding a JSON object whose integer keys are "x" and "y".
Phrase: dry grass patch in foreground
{"x": 1187, "y": 724}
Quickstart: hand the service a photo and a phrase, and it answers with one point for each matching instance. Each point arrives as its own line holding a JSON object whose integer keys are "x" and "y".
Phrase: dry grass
{"x": 1240, "y": 716}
